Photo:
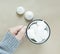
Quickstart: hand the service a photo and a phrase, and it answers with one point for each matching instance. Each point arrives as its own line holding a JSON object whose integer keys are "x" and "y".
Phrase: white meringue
{"x": 20, "y": 10}
{"x": 29, "y": 15}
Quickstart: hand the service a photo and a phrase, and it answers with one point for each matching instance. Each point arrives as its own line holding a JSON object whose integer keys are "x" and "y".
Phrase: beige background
{"x": 48, "y": 10}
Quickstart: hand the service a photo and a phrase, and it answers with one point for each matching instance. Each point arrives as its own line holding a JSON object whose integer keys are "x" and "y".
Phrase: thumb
{"x": 21, "y": 33}
{"x": 15, "y": 30}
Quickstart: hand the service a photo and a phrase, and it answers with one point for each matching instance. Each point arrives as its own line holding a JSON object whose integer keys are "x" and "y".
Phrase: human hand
{"x": 18, "y": 31}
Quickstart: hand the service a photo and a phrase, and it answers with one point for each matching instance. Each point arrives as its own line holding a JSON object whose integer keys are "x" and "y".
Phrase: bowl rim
{"x": 48, "y": 27}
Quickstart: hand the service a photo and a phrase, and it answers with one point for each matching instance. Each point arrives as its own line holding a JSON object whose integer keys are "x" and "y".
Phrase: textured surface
{"x": 48, "y": 10}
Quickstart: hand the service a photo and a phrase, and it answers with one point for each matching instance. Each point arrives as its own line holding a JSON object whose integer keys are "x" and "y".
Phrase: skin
{"x": 18, "y": 31}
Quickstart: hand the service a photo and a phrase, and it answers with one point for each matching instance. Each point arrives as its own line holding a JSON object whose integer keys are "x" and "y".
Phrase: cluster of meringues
{"x": 28, "y": 15}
